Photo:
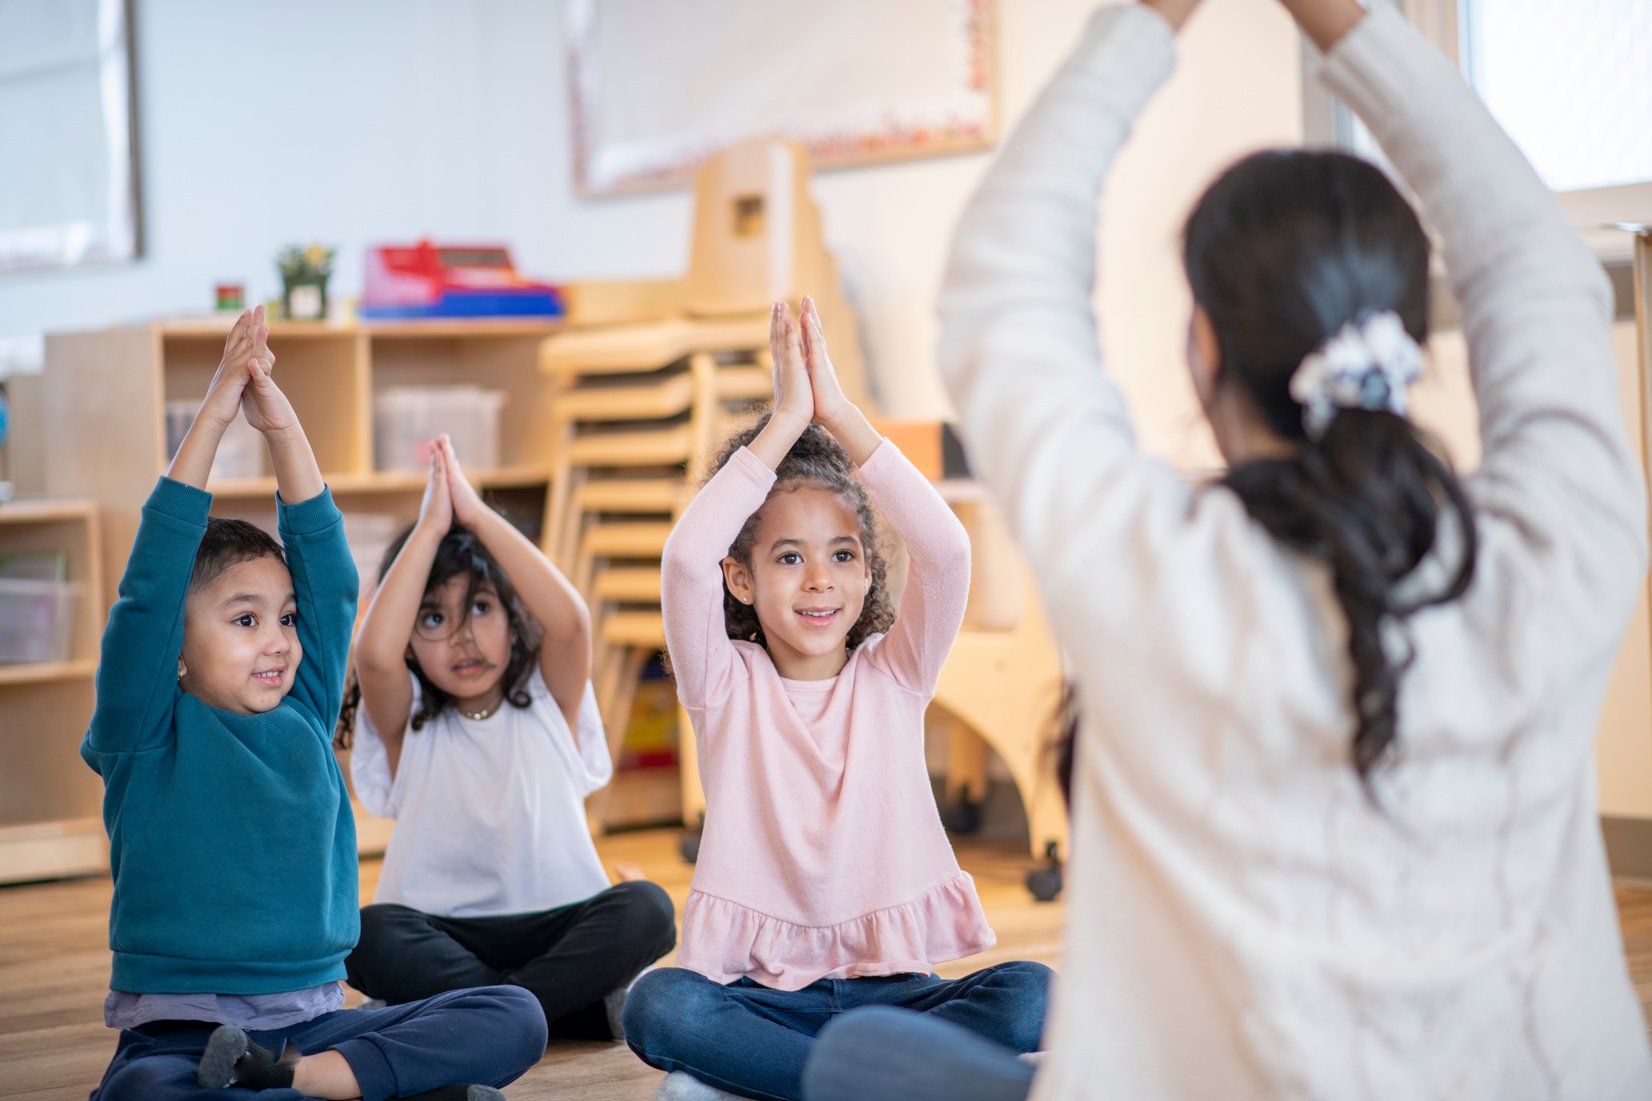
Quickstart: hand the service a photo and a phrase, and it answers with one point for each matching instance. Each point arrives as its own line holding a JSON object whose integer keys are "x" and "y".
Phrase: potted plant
{"x": 304, "y": 273}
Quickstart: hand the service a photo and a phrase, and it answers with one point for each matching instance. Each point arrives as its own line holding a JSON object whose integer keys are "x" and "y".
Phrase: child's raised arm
{"x": 387, "y": 628}
{"x": 937, "y": 584}
{"x": 691, "y": 567}
{"x": 565, "y": 654}
{"x": 138, "y": 669}
{"x": 312, "y": 535}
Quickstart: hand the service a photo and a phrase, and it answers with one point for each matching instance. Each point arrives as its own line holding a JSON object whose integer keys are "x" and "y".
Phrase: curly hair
{"x": 459, "y": 553}
{"x": 816, "y": 460}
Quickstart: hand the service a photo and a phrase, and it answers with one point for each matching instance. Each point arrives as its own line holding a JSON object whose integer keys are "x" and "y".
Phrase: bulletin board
{"x": 68, "y": 192}
{"x": 657, "y": 86}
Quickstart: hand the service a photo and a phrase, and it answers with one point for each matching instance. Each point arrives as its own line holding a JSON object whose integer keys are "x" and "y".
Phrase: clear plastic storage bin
{"x": 37, "y": 620}
{"x": 369, "y": 535}
{"x": 407, "y": 420}
{"x": 241, "y": 453}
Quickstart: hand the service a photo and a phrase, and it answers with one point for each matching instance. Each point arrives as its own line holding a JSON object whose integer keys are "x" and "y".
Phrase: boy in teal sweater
{"x": 232, "y": 844}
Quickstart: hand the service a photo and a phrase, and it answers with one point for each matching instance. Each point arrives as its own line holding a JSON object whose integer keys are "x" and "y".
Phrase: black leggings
{"x": 569, "y": 958}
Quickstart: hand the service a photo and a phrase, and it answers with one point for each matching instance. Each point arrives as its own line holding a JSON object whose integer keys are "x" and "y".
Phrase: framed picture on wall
{"x": 657, "y": 86}
{"x": 68, "y": 182}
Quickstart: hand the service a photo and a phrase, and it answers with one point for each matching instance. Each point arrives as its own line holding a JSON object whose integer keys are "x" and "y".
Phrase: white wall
{"x": 264, "y": 123}
{"x": 383, "y": 120}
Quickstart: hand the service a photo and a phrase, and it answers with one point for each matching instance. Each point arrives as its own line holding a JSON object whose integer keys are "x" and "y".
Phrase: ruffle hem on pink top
{"x": 944, "y": 923}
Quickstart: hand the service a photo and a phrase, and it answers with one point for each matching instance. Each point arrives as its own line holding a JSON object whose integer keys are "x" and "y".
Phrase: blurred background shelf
{"x": 49, "y": 799}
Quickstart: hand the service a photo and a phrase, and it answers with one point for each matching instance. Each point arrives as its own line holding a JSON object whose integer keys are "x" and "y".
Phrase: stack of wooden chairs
{"x": 648, "y": 380}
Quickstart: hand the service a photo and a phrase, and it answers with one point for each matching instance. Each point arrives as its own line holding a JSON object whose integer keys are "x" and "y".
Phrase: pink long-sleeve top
{"x": 823, "y": 854}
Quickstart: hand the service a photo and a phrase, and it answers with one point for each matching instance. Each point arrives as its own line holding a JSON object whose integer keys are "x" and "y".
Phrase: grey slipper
{"x": 680, "y": 1085}
{"x": 224, "y": 1047}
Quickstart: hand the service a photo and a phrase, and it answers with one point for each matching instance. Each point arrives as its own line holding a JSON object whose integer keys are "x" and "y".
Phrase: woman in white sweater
{"x": 1334, "y": 822}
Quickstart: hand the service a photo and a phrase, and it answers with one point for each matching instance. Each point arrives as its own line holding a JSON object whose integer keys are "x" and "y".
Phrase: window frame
{"x": 1596, "y": 212}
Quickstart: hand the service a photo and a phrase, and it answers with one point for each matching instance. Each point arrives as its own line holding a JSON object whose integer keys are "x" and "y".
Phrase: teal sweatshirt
{"x": 232, "y": 843}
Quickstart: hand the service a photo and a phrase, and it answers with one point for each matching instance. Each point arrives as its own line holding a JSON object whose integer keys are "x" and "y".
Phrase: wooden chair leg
{"x": 621, "y": 693}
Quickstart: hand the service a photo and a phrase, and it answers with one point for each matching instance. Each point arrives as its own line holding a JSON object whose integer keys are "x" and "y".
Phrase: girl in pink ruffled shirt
{"x": 825, "y": 881}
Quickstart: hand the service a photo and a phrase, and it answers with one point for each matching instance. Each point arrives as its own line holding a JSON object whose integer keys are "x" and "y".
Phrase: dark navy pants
{"x": 489, "y": 1036}
{"x": 569, "y": 958}
{"x": 752, "y": 1040}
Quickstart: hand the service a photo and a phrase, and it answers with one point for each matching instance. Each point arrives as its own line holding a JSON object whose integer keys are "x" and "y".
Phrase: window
{"x": 1568, "y": 81}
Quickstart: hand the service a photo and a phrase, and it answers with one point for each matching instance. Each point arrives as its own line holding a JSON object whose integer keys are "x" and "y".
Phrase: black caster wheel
{"x": 963, "y": 816}
{"x": 1044, "y": 882}
{"x": 688, "y": 842}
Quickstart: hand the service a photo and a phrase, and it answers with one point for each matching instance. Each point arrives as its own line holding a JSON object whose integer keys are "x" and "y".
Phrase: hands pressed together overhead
{"x": 1323, "y": 21}
{"x": 807, "y": 391}
{"x": 245, "y": 380}
{"x": 806, "y": 388}
{"x": 449, "y": 496}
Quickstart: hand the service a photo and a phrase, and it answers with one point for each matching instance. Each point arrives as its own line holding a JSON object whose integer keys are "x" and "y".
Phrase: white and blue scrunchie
{"x": 1365, "y": 365}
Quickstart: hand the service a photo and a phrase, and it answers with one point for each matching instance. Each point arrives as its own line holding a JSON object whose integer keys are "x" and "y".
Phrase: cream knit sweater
{"x": 1242, "y": 923}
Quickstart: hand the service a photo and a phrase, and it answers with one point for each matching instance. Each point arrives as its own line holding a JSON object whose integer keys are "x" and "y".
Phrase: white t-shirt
{"x": 490, "y": 813}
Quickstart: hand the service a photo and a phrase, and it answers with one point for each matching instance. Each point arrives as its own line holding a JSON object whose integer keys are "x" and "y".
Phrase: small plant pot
{"x": 304, "y": 299}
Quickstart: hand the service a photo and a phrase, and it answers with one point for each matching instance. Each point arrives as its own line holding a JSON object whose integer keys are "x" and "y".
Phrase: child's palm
{"x": 467, "y": 503}
{"x": 829, "y": 400}
{"x": 436, "y": 509}
{"x": 262, "y": 402}
{"x": 229, "y": 382}
{"x": 792, "y": 395}
{"x": 265, "y": 406}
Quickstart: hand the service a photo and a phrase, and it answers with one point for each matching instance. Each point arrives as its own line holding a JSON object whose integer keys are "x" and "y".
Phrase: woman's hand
{"x": 1175, "y": 12}
{"x": 1324, "y": 21}
{"x": 793, "y": 401}
{"x": 467, "y": 503}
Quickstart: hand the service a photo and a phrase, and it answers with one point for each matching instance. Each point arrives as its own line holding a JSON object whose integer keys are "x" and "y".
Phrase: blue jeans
{"x": 752, "y": 1040}
{"x": 881, "y": 1053}
{"x": 489, "y": 1036}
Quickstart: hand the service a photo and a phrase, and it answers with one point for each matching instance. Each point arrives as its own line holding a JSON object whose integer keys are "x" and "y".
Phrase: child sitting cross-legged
{"x": 474, "y": 725}
{"x": 825, "y": 882}
{"x": 232, "y": 844}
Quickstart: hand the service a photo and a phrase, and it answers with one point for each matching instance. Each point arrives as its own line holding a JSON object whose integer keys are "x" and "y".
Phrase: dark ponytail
{"x": 1281, "y": 252}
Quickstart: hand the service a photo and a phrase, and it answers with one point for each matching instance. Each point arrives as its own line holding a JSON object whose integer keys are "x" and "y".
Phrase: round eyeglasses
{"x": 443, "y": 629}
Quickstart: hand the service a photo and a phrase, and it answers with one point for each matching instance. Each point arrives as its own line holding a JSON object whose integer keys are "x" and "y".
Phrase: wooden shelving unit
{"x": 105, "y": 394}
{"x": 49, "y": 800}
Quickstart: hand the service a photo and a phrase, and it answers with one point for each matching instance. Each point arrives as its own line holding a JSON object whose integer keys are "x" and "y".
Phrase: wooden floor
{"x": 54, "y": 967}
{"x": 54, "y": 972}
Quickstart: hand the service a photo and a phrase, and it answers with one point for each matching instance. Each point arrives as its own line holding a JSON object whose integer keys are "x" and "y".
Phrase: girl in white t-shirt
{"x": 477, "y": 730}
